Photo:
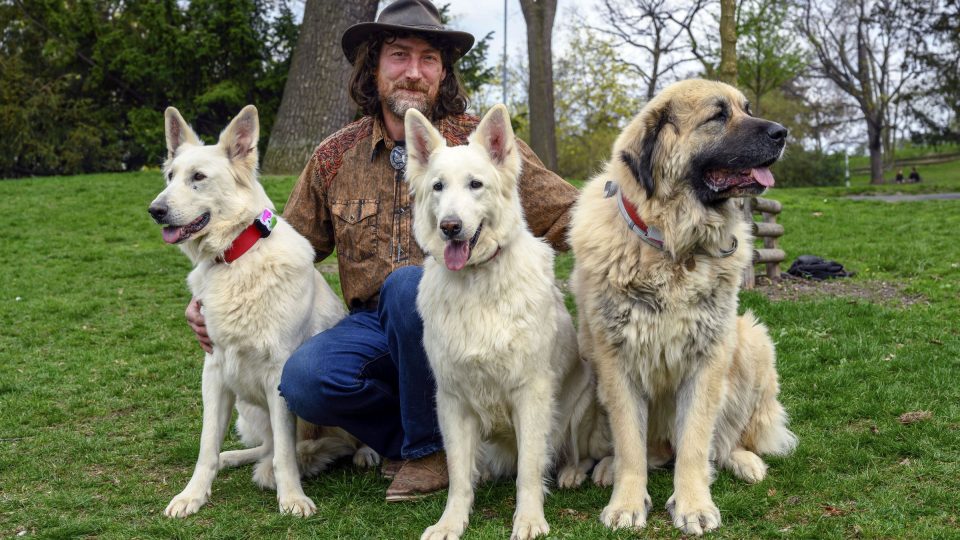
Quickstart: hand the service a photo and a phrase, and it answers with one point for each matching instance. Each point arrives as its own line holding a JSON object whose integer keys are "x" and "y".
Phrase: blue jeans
{"x": 369, "y": 375}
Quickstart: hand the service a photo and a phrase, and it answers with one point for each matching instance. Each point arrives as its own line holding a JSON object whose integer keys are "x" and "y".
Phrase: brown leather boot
{"x": 418, "y": 478}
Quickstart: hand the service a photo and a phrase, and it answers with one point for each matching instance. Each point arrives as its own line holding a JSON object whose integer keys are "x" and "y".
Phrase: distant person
{"x": 899, "y": 178}
{"x": 914, "y": 175}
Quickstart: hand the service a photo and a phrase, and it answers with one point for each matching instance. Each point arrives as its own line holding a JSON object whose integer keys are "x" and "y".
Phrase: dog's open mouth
{"x": 736, "y": 180}
{"x": 457, "y": 252}
{"x": 175, "y": 234}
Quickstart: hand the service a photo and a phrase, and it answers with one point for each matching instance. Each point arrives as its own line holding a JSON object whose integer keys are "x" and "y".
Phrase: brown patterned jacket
{"x": 349, "y": 197}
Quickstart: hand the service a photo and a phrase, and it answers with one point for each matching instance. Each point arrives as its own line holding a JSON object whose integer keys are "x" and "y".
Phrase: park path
{"x": 905, "y": 198}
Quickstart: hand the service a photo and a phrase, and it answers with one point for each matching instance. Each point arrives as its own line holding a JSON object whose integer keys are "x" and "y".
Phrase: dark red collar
{"x": 260, "y": 228}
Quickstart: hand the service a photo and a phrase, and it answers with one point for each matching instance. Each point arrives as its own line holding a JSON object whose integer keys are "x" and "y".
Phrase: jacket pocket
{"x": 355, "y": 227}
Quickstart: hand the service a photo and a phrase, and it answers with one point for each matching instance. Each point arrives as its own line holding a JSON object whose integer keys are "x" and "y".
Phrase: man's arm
{"x": 307, "y": 210}
{"x": 546, "y": 199}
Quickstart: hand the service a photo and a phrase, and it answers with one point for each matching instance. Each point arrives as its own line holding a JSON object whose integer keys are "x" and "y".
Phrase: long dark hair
{"x": 451, "y": 98}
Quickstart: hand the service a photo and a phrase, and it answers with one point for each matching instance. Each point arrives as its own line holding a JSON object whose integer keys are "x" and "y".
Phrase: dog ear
{"x": 239, "y": 139}
{"x": 422, "y": 140}
{"x": 495, "y": 135}
{"x": 639, "y": 157}
{"x": 177, "y": 131}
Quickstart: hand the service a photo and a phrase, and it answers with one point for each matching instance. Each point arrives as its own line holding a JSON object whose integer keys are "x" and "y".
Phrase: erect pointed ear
{"x": 239, "y": 139}
{"x": 177, "y": 131}
{"x": 495, "y": 135}
{"x": 422, "y": 140}
{"x": 638, "y": 156}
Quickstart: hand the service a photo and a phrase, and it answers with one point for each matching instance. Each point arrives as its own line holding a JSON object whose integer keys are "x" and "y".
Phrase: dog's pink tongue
{"x": 455, "y": 255}
{"x": 171, "y": 235}
{"x": 763, "y": 176}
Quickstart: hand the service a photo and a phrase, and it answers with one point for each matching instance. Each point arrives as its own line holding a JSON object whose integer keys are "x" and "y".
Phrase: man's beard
{"x": 417, "y": 97}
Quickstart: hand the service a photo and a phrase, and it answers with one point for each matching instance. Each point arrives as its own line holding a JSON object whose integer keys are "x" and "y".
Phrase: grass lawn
{"x": 100, "y": 385}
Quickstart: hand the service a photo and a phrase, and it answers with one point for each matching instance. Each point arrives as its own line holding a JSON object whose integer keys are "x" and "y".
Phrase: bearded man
{"x": 369, "y": 374}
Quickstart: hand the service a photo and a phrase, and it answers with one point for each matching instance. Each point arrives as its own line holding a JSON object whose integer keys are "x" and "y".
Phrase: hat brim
{"x": 356, "y": 35}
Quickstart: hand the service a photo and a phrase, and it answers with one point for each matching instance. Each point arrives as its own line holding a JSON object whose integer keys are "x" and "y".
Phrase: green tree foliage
{"x": 935, "y": 99}
{"x": 85, "y": 82}
{"x": 768, "y": 55}
{"x": 593, "y": 103}
{"x": 802, "y": 167}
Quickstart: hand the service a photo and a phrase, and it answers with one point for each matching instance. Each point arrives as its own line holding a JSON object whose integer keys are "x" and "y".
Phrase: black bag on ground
{"x": 813, "y": 267}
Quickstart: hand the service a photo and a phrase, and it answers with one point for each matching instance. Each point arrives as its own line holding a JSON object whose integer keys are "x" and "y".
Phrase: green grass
{"x": 100, "y": 385}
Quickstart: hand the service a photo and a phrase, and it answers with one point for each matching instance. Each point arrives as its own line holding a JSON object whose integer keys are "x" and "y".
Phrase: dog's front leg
{"x": 217, "y": 408}
{"x": 628, "y": 412}
{"x": 532, "y": 423}
{"x": 461, "y": 436}
{"x": 698, "y": 404}
{"x": 290, "y": 493}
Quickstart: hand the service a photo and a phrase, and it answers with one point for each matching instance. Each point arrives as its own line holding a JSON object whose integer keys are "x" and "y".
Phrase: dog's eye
{"x": 170, "y": 176}
{"x": 476, "y": 184}
{"x": 438, "y": 186}
{"x": 199, "y": 176}
{"x": 721, "y": 116}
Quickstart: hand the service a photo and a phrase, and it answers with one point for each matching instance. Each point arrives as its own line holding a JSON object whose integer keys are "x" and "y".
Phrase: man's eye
{"x": 476, "y": 184}
{"x": 438, "y": 186}
{"x": 199, "y": 176}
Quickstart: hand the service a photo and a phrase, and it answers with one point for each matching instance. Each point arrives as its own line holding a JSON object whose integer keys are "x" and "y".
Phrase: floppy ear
{"x": 639, "y": 157}
{"x": 177, "y": 131}
{"x": 239, "y": 139}
{"x": 495, "y": 135}
{"x": 422, "y": 140}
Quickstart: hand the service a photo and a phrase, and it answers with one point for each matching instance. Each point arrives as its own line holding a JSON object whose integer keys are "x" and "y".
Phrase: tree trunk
{"x": 875, "y": 146}
{"x": 539, "y": 16}
{"x": 316, "y": 101}
{"x": 728, "y": 42}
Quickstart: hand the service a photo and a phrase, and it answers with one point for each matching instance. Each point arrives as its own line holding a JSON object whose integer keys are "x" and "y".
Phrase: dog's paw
{"x": 185, "y": 504}
{"x": 570, "y": 477}
{"x": 529, "y": 527}
{"x": 444, "y": 531}
{"x": 366, "y": 457}
{"x": 603, "y": 472}
{"x": 747, "y": 466}
{"x": 263, "y": 474}
{"x": 628, "y": 514}
{"x": 297, "y": 505}
{"x": 693, "y": 517}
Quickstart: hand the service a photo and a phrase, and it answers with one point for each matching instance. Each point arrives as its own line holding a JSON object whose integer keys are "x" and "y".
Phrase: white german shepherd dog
{"x": 511, "y": 388}
{"x": 259, "y": 305}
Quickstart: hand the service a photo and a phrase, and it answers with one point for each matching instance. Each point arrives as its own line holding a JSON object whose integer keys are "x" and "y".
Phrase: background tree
{"x": 728, "y": 42}
{"x": 867, "y": 48}
{"x": 656, "y": 29}
{"x": 768, "y": 54}
{"x": 934, "y": 100}
{"x": 539, "y": 16}
{"x": 594, "y": 102}
{"x": 316, "y": 101}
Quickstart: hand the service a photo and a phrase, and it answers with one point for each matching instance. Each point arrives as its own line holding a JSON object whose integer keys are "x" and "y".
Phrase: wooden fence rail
{"x": 769, "y": 230}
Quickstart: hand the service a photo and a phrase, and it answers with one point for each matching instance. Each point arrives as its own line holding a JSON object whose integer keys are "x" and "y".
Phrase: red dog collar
{"x": 260, "y": 228}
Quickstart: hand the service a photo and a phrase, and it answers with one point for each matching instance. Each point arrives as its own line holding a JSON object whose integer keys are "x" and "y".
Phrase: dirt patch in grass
{"x": 876, "y": 292}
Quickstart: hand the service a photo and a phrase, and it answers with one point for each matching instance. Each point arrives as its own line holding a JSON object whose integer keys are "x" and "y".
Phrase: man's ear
{"x": 239, "y": 139}
{"x": 177, "y": 131}
{"x": 638, "y": 157}
{"x": 495, "y": 136}
{"x": 422, "y": 141}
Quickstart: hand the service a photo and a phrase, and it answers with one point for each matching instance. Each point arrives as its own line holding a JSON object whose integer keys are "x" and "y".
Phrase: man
{"x": 369, "y": 374}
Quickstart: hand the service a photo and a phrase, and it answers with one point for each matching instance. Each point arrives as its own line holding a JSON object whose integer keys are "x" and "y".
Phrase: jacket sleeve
{"x": 308, "y": 212}
{"x": 546, "y": 199}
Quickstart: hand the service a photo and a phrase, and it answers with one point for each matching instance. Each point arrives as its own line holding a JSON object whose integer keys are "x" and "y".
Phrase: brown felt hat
{"x": 414, "y": 16}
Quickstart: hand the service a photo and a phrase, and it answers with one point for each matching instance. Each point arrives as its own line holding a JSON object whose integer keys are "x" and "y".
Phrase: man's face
{"x": 409, "y": 75}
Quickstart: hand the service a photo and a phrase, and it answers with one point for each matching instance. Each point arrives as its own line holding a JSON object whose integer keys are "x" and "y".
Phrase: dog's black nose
{"x": 451, "y": 227}
{"x": 158, "y": 211}
{"x": 776, "y": 132}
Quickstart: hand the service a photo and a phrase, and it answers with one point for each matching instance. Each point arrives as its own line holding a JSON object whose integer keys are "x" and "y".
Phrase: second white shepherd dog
{"x": 511, "y": 388}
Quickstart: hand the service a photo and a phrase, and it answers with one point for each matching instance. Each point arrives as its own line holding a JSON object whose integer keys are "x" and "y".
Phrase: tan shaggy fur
{"x": 677, "y": 368}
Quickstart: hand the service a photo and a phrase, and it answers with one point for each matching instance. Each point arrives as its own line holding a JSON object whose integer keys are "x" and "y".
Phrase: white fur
{"x": 258, "y": 310}
{"x": 511, "y": 388}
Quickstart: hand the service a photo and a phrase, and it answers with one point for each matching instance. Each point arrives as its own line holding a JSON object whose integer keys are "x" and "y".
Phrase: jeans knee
{"x": 297, "y": 382}
{"x": 399, "y": 291}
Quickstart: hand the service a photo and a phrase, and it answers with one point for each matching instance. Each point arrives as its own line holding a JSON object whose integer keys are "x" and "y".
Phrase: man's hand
{"x": 198, "y": 325}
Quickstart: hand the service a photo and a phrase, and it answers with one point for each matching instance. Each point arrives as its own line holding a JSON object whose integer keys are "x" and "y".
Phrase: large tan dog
{"x": 660, "y": 248}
